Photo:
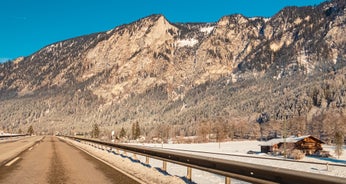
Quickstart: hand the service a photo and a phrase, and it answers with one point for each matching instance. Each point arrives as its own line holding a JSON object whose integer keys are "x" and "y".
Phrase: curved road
{"x": 54, "y": 161}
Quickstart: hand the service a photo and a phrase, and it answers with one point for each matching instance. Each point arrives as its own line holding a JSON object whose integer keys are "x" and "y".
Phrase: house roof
{"x": 292, "y": 139}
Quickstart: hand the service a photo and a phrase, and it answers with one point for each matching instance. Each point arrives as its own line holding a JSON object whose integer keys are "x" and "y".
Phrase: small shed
{"x": 308, "y": 144}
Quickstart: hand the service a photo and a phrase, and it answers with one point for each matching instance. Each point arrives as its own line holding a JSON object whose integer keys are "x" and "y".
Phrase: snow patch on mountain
{"x": 207, "y": 30}
{"x": 187, "y": 42}
{"x": 303, "y": 60}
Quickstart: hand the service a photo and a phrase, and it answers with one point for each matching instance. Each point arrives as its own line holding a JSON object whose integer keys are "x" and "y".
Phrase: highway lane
{"x": 15, "y": 146}
{"x": 54, "y": 161}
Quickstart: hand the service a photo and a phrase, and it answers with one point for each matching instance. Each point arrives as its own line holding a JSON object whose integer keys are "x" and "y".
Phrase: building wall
{"x": 309, "y": 146}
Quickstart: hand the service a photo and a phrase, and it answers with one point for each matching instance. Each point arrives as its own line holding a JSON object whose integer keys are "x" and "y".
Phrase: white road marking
{"x": 12, "y": 162}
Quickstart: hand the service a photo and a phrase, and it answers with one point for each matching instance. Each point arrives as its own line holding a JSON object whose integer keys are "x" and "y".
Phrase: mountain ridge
{"x": 184, "y": 75}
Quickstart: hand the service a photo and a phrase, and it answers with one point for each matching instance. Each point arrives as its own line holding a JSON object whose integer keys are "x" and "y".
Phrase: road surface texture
{"x": 12, "y": 147}
{"x": 55, "y": 162}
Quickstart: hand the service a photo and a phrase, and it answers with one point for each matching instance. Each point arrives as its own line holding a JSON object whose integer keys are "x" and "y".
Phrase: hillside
{"x": 183, "y": 77}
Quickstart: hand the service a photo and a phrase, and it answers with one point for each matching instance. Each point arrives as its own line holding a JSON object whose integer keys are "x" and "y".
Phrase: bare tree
{"x": 203, "y": 131}
{"x": 220, "y": 130}
{"x": 163, "y": 131}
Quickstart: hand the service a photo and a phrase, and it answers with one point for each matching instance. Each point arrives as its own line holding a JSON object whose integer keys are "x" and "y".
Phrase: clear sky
{"x": 28, "y": 25}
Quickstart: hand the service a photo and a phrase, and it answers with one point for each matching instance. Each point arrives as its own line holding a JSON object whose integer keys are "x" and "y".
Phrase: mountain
{"x": 183, "y": 76}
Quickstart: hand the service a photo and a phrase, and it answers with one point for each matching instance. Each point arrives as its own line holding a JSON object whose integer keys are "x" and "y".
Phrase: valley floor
{"x": 237, "y": 149}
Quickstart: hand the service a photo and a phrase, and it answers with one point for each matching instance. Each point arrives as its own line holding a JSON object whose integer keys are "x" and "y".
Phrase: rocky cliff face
{"x": 157, "y": 72}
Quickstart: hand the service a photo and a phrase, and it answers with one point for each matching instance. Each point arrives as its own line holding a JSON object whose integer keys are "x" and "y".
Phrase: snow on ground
{"x": 198, "y": 176}
{"x": 236, "y": 147}
{"x": 6, "y": 134}
{"x": 242, "y": 147}
{"x": 239, "y": 148}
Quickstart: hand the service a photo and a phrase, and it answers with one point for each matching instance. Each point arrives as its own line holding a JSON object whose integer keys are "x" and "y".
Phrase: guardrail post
{"x": 118, "y": 152}
{"x": 227, "y": 180}
{"x": 125, "y": 153}
{"x": 164, "y": 166}
{"x": 189, "y": 173}
{"x": 147, "y": 160}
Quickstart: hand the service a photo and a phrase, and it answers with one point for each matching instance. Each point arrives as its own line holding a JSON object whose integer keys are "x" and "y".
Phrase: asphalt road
{"x": 14, "y": 146}
{"x": 54, "y": 161}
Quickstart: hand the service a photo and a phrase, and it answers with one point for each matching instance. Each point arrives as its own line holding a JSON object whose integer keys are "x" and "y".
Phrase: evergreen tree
{"x": 133, "y": 130}
{"x": 138, "y": 130}
{"x": 122, "y": 133}
{"x": 339, "y": 142}
{"x": 95, "y": 132}
{"x": 30, "y": 130}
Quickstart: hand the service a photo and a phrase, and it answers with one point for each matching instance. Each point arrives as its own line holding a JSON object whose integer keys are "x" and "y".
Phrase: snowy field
{"x": 236, "y": 149}
{"x": 241, "y": 148}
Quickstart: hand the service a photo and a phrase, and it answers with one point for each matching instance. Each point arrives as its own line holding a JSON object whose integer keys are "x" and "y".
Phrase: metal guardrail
{"x": 12, "y": 135}
{"x": 253, "y": 173}
{"x": 343, "y": 164}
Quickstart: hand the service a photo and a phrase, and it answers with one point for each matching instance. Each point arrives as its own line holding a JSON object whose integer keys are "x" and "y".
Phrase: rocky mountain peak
{"x": 153, "y": 70}
{"x": 232, "y": 20}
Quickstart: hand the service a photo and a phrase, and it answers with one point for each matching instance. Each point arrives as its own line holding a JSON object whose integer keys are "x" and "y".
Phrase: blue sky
{"x": 28, "y": 25}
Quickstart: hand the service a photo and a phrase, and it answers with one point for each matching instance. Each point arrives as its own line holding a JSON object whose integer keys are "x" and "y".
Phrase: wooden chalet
{"x": 308, "y": 144}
